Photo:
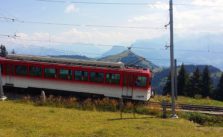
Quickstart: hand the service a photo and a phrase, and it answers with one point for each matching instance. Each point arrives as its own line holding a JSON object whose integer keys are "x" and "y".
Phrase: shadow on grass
{"x": 116, "y": 119}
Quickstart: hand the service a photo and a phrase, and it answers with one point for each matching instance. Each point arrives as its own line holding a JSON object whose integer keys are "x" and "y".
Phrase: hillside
{"x": 26, "y": 120}
{"x": 160, "y": 77}
{"x": 129, "y": 58}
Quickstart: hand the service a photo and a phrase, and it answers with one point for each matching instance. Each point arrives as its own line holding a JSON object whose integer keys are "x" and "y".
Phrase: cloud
{"x": 71, "y": 8}
{"x": 150, "y": 19}
{"x": 217, "y": 3}
{"x": 95, "y": 36}
{"x": 202, "y": 18}
{"x": 159, "y": 5}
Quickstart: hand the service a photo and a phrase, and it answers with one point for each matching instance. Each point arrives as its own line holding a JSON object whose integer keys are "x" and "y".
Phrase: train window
{"x": 112, "y": 78}
{"x": 97, "y": 77}
{"x": 21, "y": 70}
{"x": 1, "y": 66}
{"x": 141, "y": 81}
{"x": 35, "y": 71}
{"x": 81, "y": 75}
{"x": 50, "y": 73}
{"x": 65, "y": 74}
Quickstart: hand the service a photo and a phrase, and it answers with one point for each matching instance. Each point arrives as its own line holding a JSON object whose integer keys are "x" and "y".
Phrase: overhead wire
{"x": 127, "y": 3}
{"x": 99, "y": 3}
{"x": 91, "y": 25}
{"x": 79, "y": 25}
{"x": 104, "y": 26}
{"x": 16, "y": 37}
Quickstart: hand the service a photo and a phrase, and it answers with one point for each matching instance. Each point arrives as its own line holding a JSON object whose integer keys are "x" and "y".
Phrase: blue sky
{"x": 187, "y": 18}
{"x": 198, "y": 18}
{"x": 119, "y": 15}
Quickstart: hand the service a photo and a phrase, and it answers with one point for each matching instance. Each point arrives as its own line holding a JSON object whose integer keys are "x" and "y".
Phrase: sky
{"x": 192, "y": 18}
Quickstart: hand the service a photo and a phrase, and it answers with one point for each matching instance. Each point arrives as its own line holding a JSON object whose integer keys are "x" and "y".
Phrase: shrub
{"x": 88, "y": 105}
{"x": 204, "y": 119}
{"x": 198, "y": 96}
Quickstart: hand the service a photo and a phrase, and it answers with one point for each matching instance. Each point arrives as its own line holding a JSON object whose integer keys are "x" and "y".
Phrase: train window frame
{"x": 50, "y": 76}
{"x": 20, "y": 71}
{"x": 139, "y": 80}
{"x": 80, "y": 75}
{"x": 97, "y": 78}
{"x": 65, "y": 76}
{"x": 113, "y": 78}
{"x": 39, "y": 74}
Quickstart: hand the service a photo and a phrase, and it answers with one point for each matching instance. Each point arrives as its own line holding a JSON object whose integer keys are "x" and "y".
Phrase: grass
{"x": 28, "y": 120}
{"x": 187, "y": 100}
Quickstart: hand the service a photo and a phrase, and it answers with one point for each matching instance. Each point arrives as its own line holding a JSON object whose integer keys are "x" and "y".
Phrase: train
{"x": 109, "y": 79}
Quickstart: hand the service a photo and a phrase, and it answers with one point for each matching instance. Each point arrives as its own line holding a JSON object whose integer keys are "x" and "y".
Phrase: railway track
{"x": 201, "y": 108}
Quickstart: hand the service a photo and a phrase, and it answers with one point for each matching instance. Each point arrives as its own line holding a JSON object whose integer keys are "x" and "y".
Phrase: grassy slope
{"x": 187, "y": 100}
{"x": 25, "y": 120}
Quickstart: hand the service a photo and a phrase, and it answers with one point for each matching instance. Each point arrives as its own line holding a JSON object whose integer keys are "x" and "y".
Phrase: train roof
{"x": 67, "y": 61}
{"x": 75, "y": 62}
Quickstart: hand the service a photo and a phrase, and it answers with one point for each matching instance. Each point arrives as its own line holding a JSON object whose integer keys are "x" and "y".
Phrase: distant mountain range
{"x": 207, "y": 49}
{"x": 81, "y": 49}
{"x": 73, "y": 56}
{"x": 198, "y": 50}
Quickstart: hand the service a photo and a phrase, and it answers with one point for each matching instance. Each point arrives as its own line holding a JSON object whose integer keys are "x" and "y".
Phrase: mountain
{"x": 90, "y": 50}
{"x": 74, "y": 57}
{"x": 130, "y": 59}
{"x": 198, "y": 50}
{"x": 159, "y": 78}
{"x": 114, "y": 50}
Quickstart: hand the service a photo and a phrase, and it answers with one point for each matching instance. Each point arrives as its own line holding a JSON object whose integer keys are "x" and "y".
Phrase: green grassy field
{"x": 27, "y": 120}
{"x": 187, "y": 100}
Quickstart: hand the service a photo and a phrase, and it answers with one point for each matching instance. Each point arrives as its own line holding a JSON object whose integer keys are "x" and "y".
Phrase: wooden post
{"x": 121, "y": 106}
{"x": 164, "y": 109}
{"x": 134, "y": 109}
{"x": 43, "y": 97}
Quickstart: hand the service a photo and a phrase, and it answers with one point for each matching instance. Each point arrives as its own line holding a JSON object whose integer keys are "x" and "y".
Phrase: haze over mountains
{"x": 130, "y": 57}
{"x": 207, "y": 49}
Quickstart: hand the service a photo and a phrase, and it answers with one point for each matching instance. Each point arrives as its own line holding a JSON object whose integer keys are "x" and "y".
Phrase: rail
{"x": 190, "y": 107}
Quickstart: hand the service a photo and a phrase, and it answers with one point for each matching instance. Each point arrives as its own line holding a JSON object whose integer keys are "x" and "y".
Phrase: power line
{"x": 17, "y": 37}
{"x": 127, "y": 3}
{"x": 91, "y": 25}
{"x": 79, "y": 25}
{"x": 92, "y": 53}
{"x": 99, "y": 3}
{"x": 65, "y": 52}
{"x": 193, "y": 5}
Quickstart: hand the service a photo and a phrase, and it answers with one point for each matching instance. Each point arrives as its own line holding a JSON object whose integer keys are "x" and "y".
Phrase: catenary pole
{"x": 172, "y": 66}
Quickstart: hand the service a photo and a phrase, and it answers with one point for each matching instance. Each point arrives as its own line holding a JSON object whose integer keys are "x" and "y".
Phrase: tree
{"x": 182, "y": 80}
{"x": 206, "y": 88}
{"x": 194, "y": 84}
{"x": 218, "y": 94}
{"x": 3, "y": 51}
{"x": 167, "y": 87}
{"x": 13, "y": 51}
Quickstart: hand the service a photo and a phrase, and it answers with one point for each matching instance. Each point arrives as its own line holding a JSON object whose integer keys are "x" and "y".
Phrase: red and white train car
{"x": 93, "y": 77}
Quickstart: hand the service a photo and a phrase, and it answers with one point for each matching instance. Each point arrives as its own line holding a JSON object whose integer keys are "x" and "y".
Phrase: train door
{"x": 9, "y": 73}
{"x": 127, "y": 91}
